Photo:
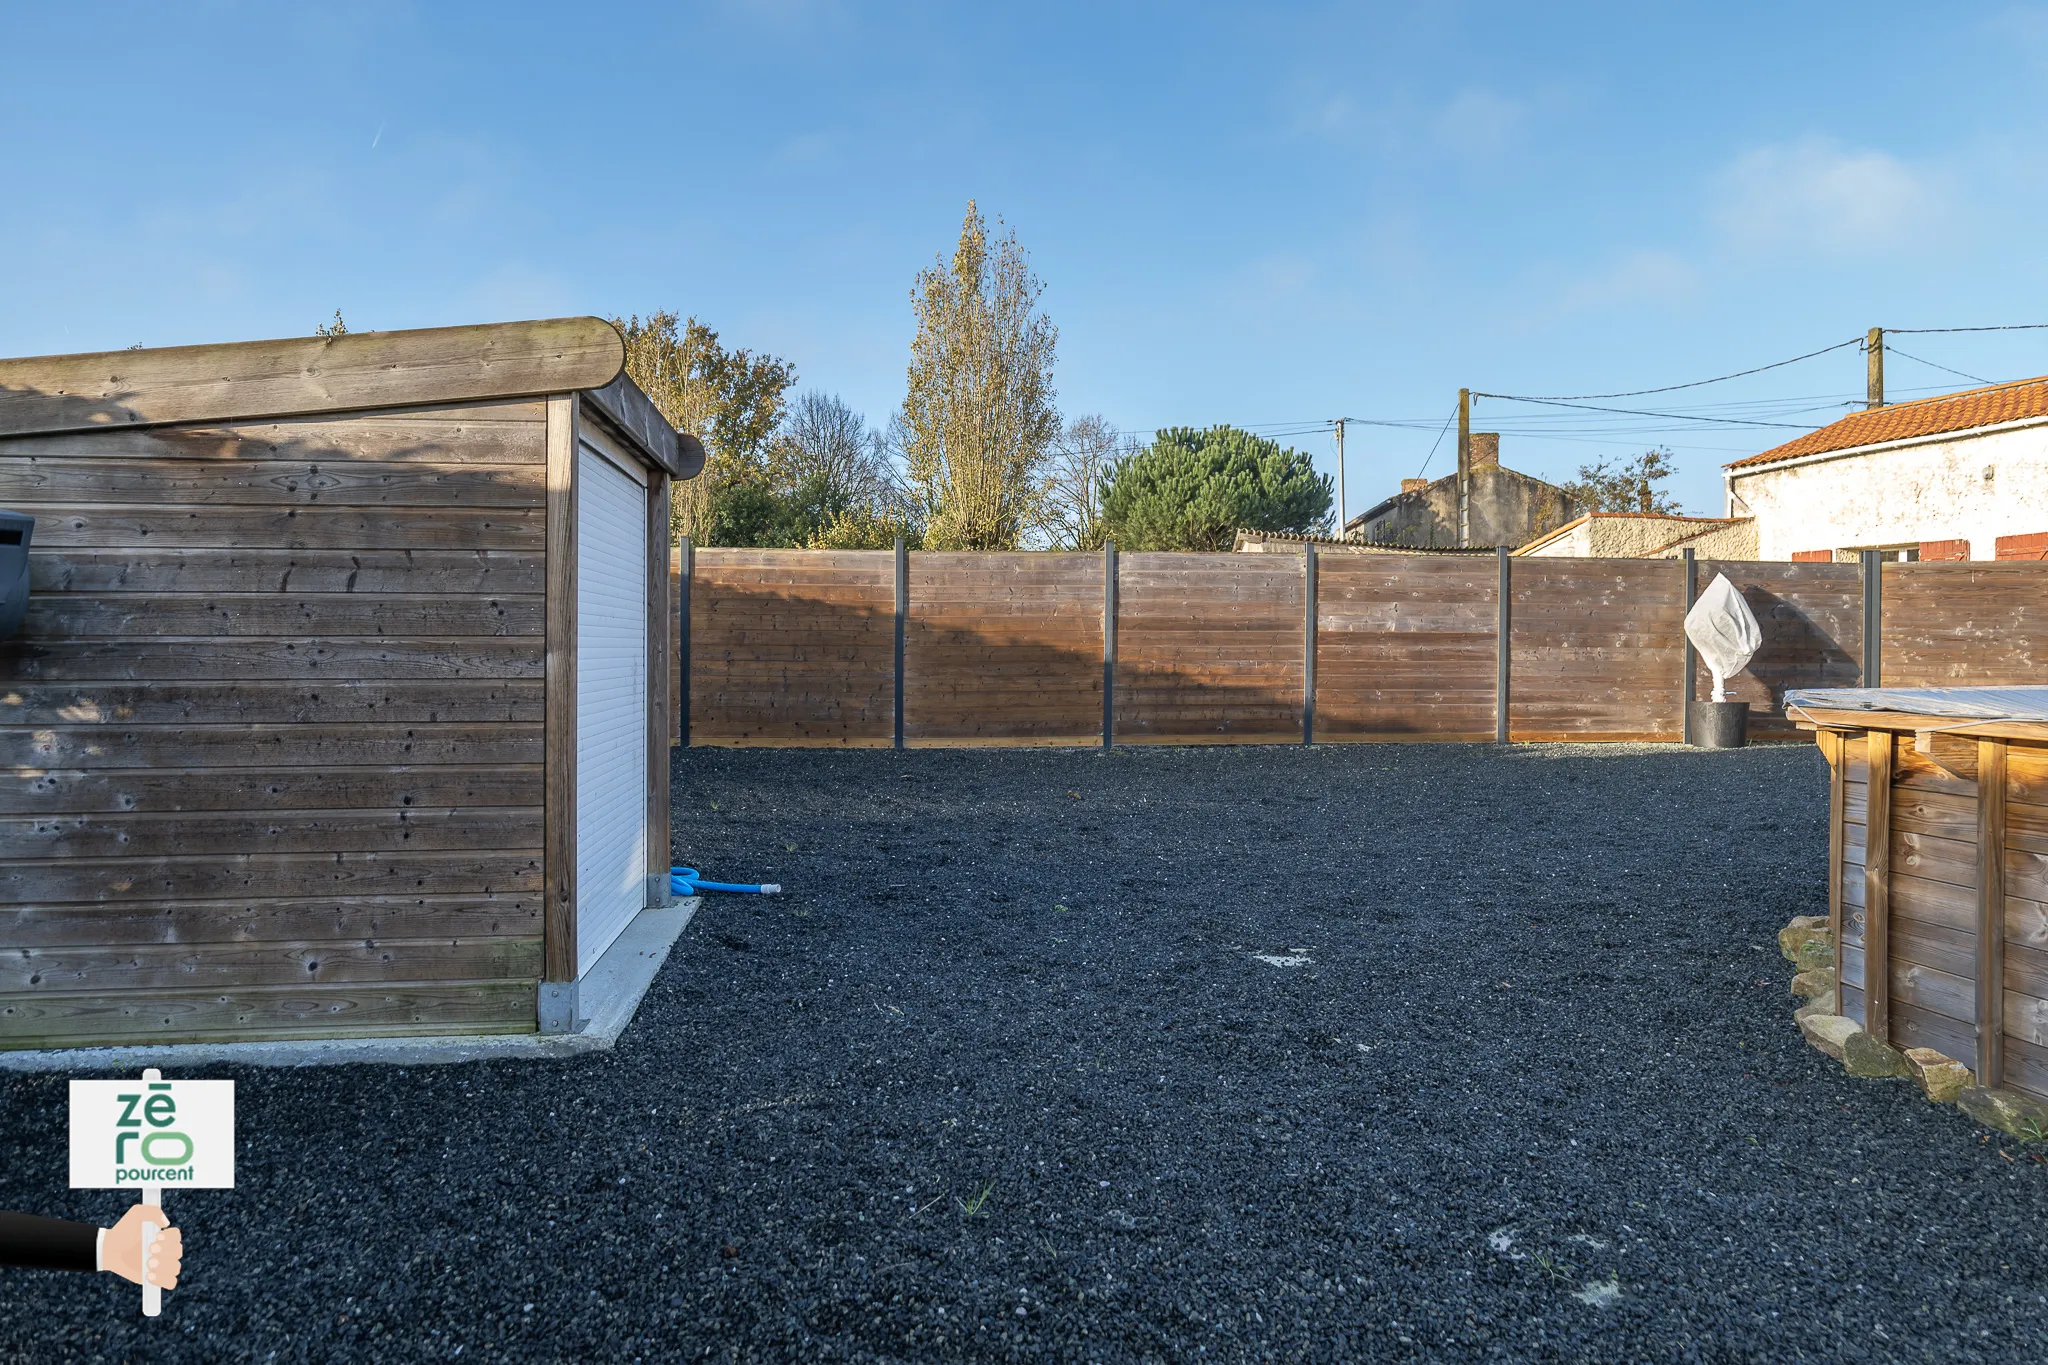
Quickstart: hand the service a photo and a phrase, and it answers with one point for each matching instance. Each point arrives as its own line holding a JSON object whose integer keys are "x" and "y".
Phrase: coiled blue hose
{"x": 685, "y": 881}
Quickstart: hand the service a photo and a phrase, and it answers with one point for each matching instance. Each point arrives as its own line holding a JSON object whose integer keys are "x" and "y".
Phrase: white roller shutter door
{"x": 611, "y": 704}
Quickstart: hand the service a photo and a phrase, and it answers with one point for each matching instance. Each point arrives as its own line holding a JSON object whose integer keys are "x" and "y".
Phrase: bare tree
{"x": 1067, "y": 513}
{"x": 824, "y": 438}
{"x": 978, "y": 420}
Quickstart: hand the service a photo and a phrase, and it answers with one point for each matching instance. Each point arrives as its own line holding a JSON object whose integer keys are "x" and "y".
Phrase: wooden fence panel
{"x": 1209, "y": 648}
{"x": 793, "y": 647}
{"x": 1405, "y": 647}
{"x": 1598, "y": 649}
{"x": 1812, "y": 620}
{"x": 1003, "y": 648}
{"x": 796, "y": 646}
{"x": 1964, "y": 625}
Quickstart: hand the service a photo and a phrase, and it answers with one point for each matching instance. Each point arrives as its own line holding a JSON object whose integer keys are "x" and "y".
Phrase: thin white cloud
{"x": 1815, "y": 195}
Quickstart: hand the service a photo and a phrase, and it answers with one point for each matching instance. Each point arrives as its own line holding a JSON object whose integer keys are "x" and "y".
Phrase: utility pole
{"x": 1873, "y": 355}
{"x": 1343, "y": 512}
{"x": 1464, "y": 468}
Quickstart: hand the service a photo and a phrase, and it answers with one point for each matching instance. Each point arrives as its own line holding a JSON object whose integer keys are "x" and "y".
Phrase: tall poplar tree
{"x": 978, "y": 420}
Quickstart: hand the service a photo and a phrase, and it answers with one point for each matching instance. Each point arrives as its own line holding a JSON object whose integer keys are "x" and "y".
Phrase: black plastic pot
{"x": 1720, "y": 724}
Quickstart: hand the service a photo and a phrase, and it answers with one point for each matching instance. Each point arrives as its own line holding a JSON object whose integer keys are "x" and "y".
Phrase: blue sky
{"x": 1269, "y": 215}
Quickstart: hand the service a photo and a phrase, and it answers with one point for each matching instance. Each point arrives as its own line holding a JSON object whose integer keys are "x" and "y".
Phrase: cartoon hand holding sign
{"x": 144, "y": 1135}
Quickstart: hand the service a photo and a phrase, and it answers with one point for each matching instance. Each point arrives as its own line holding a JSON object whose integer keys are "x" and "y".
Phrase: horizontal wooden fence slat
{"x": 244, "y": 1013}
{"x": 48, "y": 791}
{"x": 369, "y": 657}
{"x": 347, "y": 918}
{"x": 796, "y": 647}
{"x": 268, "y": 483}
{"x": 511, "y": 431}
{"x": 214, "y": 877}
{"x": 83, "y": 616}
{"x": 271, "y": 701}
{"x": 283, "y": 571}
{"x": 255, "y": 746}
{"x": 175, "y": 966}
{"x": 67, "y": 526}
{"x": 268, "y": 831}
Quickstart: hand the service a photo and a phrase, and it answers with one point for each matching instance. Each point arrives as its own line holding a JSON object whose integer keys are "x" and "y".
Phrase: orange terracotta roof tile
{"x": 1924, "y": 417}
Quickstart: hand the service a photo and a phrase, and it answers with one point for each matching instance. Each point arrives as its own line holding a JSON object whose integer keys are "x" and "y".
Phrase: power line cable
{"x": 1673, "y": 388}
{"x": 1931, "y": 365}
{"x": 2009, "y": 327}
{"x": 1639, "y": 412}
{"x": 1439, "y": 441}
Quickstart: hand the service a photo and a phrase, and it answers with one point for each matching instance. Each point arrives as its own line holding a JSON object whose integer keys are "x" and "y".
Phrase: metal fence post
{"x": 689, "y": 558}
{"x": 1689, "y": 689}
{"x": 1308, "y": 643}
{"x": 1109, "y": 644}
{"x": 1503, "y": 628}
{"x": 1873, "y": 618}
{"x": 902, "y": 611}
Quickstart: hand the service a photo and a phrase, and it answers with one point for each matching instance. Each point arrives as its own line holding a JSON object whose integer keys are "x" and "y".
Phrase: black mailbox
{"x": 15, "y": 530}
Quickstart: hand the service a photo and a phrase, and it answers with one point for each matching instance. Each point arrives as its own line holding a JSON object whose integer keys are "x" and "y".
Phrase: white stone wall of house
{"x": 1967, "y": 487}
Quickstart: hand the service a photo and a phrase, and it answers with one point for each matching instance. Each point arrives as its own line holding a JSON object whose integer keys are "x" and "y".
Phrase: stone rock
{"x": 1829, "y": 1032}
{"x": 1864, "y": 1055}
{"x": 1817, "y": 954}
{"x": 2008, "y": 1111}
{"x": 1812, "y": 985}
{"x": 1793, "y": 938}
{"x": 1941, "y": 1076}
{"x": 1820, "y": 1004}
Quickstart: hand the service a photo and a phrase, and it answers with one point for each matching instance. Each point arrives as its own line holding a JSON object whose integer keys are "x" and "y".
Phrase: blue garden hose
{"x": 684, "y": 881}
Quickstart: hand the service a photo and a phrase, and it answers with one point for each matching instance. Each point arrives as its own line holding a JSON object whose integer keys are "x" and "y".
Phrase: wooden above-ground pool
{"x": 1938, "y": 869}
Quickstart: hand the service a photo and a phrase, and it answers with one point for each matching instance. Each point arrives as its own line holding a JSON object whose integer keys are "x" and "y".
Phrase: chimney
{"x": 1414, "y": 485}
{"x": 1485, "y": 448}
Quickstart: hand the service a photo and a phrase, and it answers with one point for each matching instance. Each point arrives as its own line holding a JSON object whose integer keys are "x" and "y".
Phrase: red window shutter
{"x": 1944, "y": 551}
{"x": 1813, "y": 556}
{"x": 2033, "y": 546}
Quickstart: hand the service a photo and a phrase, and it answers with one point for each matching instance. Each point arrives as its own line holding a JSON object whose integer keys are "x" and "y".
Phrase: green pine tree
{"x": 1192, "y": 490}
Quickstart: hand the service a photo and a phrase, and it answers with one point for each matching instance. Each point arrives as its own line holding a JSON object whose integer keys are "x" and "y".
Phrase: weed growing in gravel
{"x": 973, "y": 1208}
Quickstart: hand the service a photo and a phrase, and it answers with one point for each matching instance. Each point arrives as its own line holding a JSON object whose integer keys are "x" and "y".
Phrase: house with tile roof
{"x": 1502, "y": 507}
{"x": 1963, "y": 476}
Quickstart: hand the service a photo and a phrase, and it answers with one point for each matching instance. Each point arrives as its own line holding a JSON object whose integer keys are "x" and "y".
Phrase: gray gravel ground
{"x": 1389, "y": 1053}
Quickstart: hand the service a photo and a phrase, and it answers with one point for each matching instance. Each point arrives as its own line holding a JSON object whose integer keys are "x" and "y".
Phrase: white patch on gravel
{"x": 1502, "y": 1240}
{"x": 1604, "y": 1294}
{"x": 1284, "y": 959}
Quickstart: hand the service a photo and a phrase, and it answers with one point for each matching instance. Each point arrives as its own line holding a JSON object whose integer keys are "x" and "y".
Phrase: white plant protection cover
{"x": 1724, "y": 630}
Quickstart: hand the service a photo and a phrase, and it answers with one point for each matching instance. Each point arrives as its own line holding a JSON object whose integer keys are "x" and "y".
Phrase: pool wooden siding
{"x": 1939, "y": 887}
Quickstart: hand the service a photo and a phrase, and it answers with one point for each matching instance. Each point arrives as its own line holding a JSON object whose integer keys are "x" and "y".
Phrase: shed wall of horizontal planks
{"x": 276, "y": 730}
{"x": 794, "y": 647}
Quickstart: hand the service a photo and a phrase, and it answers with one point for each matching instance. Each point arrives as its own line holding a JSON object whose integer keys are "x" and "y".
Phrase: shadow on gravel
{"x": 1386, "y": 1052}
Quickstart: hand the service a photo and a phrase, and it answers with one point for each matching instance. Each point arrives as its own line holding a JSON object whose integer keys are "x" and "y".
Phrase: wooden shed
{"x": 1938, "y": 876}
{"x": 340, "y": 704}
